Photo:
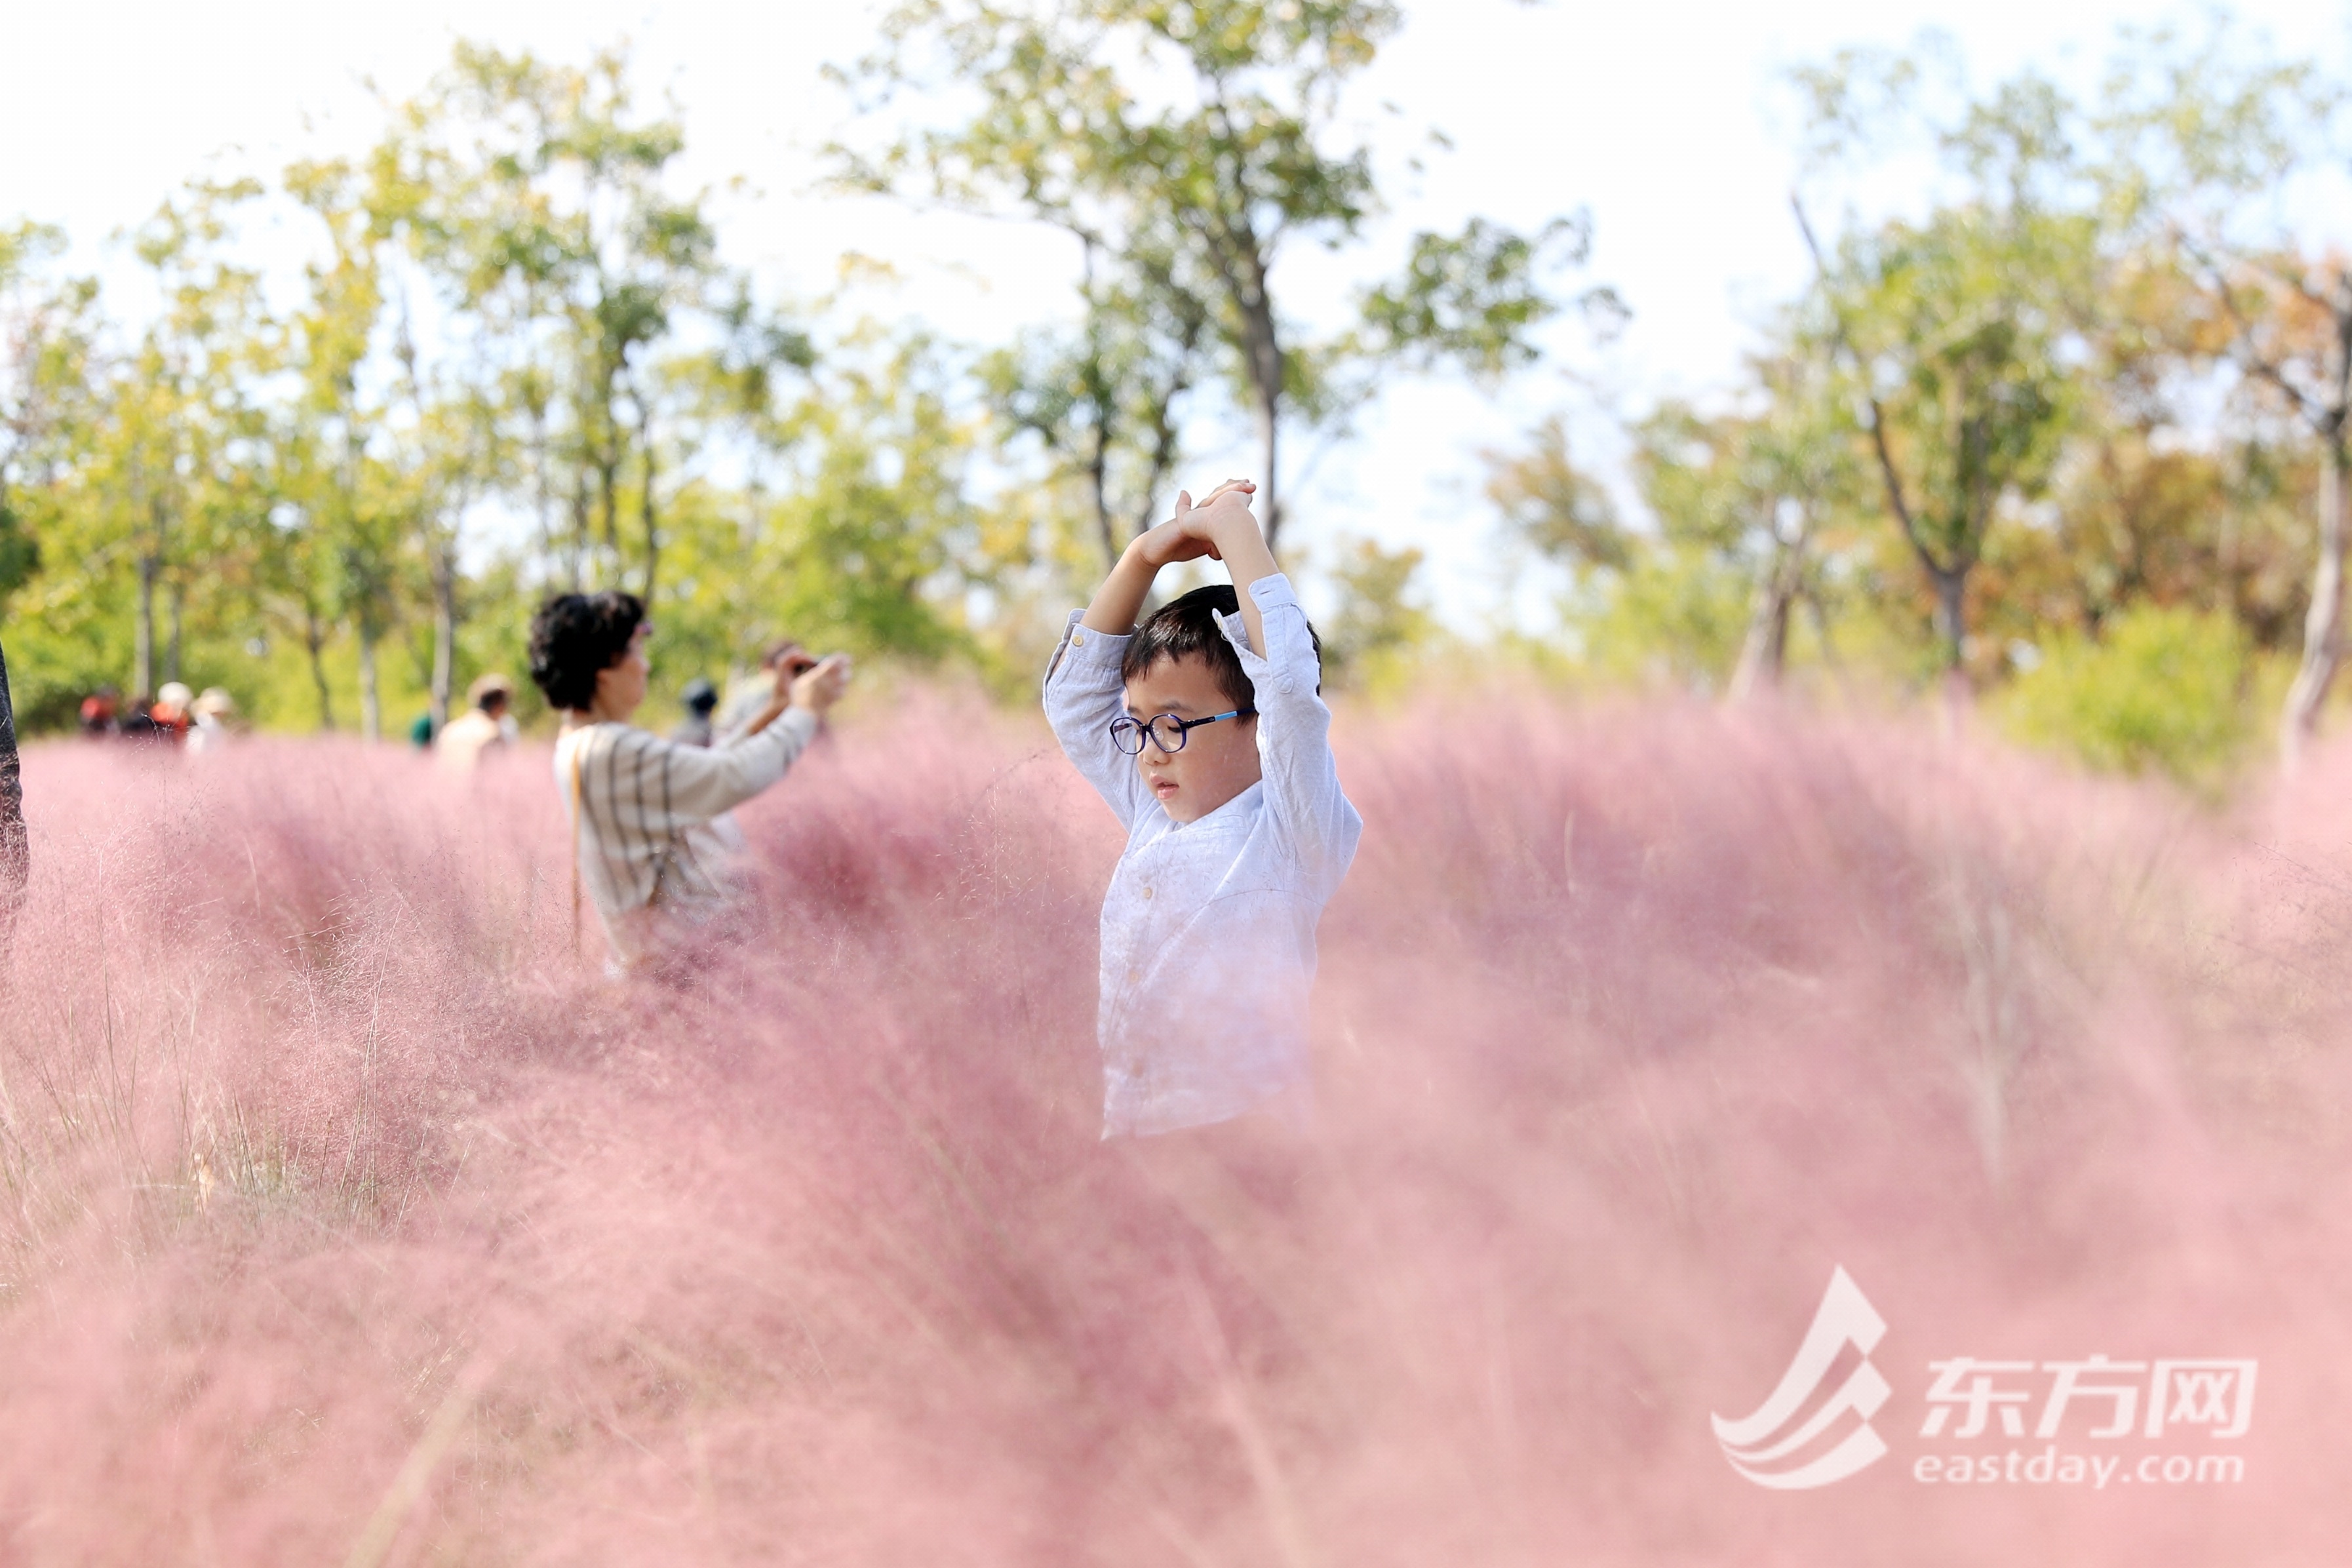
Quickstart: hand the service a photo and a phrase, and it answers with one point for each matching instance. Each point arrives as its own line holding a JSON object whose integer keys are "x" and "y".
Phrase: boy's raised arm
{"x": 1082, "y": 690}
{"x": 1120, "y": 598}
{"x": 1224, "y": 521}
{"x": 1083, "y": 695}
{"x": 1302, "y": 783}
{"x": 1113, "y": 609}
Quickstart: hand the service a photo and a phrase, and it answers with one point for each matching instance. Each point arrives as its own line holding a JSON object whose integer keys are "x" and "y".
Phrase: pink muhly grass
{"x": 355, "y": 1217}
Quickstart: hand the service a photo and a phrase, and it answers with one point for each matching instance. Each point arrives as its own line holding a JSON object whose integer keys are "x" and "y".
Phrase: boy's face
{"x": 1219, "y": 761}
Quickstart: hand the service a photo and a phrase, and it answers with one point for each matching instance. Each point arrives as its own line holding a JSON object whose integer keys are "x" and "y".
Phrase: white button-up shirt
{"x": 1208, "y": 928}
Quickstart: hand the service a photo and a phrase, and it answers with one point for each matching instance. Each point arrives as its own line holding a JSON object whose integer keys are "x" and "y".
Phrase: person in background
{"x": 171, "y": 711}
{"x": 209, "y": 720}
{"x": 139, "y": 720}
{"x": 785, "y": 660}
{"x": 15, "y": 855}
{"x": 486, "y": 726}
{"x": 699, "y": 697}
{"x": 101, "y": 712}
{"x": 651, "y": 837}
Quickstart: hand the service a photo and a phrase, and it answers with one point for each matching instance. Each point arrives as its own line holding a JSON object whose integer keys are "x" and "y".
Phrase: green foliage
{"x": 1554, "y": 505}
{"x": 2161, "y": 690}
{"x": 1185, "y": 203}
{"x": 20, "y": 553}
{"x": 2084, "y": 391}
{"x": 872, "y": 544}
{"x": 1382, "y": 625}
{"x": 1105, "y": 403}
{"x": 1667, "y": 603}
{"x": 1675, "y": 617}
{"x": 541, "y": 201}
{"x": 1957, "y": 336}
{"x": 1473, "y": 299}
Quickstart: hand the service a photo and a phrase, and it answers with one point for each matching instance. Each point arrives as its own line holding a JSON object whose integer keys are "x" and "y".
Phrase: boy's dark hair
{"x": 574, "y": 637}
{"x": 1187, "y": 627}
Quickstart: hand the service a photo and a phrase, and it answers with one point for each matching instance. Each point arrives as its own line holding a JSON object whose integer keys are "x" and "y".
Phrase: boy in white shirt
{"x": 1206, "y": 733}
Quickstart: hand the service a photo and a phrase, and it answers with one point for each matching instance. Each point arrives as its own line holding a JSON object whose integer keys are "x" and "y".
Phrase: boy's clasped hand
{"x": 1192, "y": 531}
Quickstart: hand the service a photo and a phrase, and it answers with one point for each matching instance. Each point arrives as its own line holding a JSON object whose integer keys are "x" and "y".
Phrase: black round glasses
{"x": 1167, "y": 731}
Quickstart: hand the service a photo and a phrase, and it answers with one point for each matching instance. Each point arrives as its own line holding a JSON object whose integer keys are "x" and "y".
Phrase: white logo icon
{"x": 1767, "y": 1447}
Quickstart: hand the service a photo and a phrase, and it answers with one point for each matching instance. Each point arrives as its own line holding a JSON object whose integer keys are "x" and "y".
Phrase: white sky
{"x": 1663, "y": 119}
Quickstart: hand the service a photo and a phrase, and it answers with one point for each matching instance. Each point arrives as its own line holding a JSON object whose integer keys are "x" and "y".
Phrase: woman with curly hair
{"x": 651, "y": 835}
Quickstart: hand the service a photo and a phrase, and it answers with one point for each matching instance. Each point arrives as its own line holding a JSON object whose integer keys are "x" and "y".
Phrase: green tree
{"x": 2201, "y": 137}
{"x": 50, "y": 354}
{"x": 170, "y": 481}
{"x": 869, "y": 538}
{"x": 1764, "y": 495}
{"x": 1106, "y": 402}
{"x": 1189, "y": 147}
{"x": 541, "y": 198}
{"x": 1738, "y": 505}
{"x": 44, "y": 358}
{"x": 2161, "y": 690}
{"x": 1382, "y": 621}
{"x": 1954, "y": 333}
{"x": 357, "y": 499}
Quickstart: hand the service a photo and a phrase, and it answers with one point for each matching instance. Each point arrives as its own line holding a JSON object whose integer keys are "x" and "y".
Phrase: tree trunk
{"x": 581, "y": 540}
{"x": 646, "y": 509}
{"x": 151, "y": 566}
{"x": 444, "y": 631}
{"x": 1952, "y": 631}
{"x": 1765, "y": 653}
{"x": 172, "y": 642}
{"x": 542, "y": 487}
{"x": 143, "y": 635}
{"x": 608, "y": 497}
{"x": 1099, "y": 395}
{"x": 1952, "y": 619}
{"x": 1098, "y": 476}
{"x": 1163, "y": 458}
{"x": 1269, "y": 440}
{"x": 16, "y": 858}
{"x": 371, "y": 707}
{"x": 1262, "y": 353}
{"x": 1164, "y": 432}
{"x": 2323, "y": 628}
{"x": 1244, "y": 264}
{"x": 314, "y": 642}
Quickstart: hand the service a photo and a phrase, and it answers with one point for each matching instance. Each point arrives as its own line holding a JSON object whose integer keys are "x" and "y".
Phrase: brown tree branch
{"x": 2250, "y": 359}
{"x": 1895, "y": 500}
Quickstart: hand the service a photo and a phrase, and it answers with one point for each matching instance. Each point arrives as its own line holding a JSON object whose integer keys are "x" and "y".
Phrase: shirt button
{"x": 1133, "y": 976}
{"x": 1077, "y": 639}
{"x": 1147, "y": 892}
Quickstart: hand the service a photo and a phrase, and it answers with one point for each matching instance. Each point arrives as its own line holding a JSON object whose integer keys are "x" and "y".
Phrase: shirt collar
{"x": 1242, "y": 806}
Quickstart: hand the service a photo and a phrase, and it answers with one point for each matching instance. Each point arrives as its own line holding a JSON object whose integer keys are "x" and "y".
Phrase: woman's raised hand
{"x": 820, "y": 686}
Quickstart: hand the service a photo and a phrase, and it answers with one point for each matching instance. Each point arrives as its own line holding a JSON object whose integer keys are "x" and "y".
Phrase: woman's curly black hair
{"x": 574, "y": 637}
